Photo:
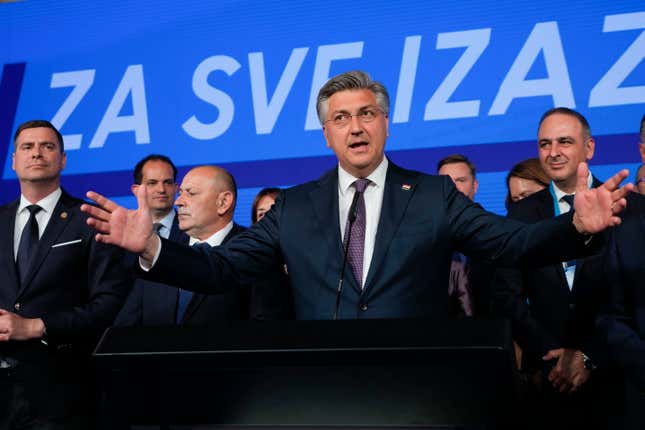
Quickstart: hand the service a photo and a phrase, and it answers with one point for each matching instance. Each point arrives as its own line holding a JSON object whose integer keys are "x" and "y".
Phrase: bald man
{"x": 205, "y": 207}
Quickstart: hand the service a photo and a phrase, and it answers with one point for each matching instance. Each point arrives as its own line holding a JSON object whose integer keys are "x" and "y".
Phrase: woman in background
{"x": 524, "y": 179}
{"x": 263, "y": 202}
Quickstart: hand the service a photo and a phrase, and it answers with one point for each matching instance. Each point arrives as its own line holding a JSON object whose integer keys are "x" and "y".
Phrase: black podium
{"x": 310, "y": 374}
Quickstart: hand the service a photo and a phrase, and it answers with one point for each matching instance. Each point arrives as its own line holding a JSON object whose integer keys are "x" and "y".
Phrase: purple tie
{"x": 357, "y": 232}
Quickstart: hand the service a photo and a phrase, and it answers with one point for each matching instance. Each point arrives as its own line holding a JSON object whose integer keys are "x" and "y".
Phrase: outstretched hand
{"x": 129, "y": 229}
{"x": 597, "y": 208}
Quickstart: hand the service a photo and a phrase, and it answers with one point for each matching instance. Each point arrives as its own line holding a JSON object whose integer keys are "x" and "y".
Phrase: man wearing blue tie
{"x": 552, "y": 308}
{"x": 205, "y": 207}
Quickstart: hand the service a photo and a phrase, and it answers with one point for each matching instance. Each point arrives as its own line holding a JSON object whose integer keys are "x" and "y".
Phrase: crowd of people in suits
{"x": 567, "y": 272}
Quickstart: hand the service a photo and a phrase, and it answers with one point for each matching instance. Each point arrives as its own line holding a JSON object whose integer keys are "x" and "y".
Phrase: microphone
{"x": 351, "y": 217}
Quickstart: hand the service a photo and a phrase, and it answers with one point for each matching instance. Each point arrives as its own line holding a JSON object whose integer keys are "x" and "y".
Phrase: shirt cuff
{"x": 143, "y": 264}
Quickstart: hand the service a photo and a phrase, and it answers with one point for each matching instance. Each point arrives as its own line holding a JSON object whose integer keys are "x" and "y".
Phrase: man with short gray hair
{"x": 396, "y": 228}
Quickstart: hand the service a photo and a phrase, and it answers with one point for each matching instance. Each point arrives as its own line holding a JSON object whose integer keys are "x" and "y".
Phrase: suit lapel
{"x": 399, "y": 189}
{"x": 324, "y": 200}
{"x": 197, "y": 298}
{"x": 176, "y": 235}
{"x": 60, "y": 219}
{"x": 8, "y": 224}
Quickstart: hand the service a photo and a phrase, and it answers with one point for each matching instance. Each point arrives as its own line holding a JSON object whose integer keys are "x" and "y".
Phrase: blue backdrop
{"x": 234, "y": 83}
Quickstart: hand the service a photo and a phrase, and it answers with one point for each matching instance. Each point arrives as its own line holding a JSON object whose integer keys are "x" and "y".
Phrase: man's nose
{"x": 555, "y": 149}
{"x": 36, "y": 152}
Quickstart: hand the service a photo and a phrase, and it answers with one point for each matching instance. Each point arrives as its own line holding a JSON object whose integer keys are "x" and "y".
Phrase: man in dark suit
{"x": 152, "y": 303}
{"x": 59, "y": 289}
{"x": 205, "y": 207}
{"x": 621, "y": 324}
{"x": 469, "y": 282}
{"x": 402, "y": 226}
{"x": 552, "y": 308}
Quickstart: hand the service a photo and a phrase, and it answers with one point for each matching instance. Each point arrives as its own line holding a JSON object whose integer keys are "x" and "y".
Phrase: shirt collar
{"x": 47, "y": 204}
{"x": 559, "y": 193}
{"x": 345, "y": 179}
{"x": 217, "y": 238}
{"x": 167, "y": 220}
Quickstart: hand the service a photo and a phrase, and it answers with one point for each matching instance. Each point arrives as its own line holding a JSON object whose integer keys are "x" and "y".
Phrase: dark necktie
{"x": 569, "y": 199}
{"x": 185, "y": 296}
{"x": 356, "y": 235}
{"x": 157, "y": 227}
{"x": 28, "y": 242}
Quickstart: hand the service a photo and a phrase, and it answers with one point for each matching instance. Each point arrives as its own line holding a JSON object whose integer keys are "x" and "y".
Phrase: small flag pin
{"x": 406, "y": 187}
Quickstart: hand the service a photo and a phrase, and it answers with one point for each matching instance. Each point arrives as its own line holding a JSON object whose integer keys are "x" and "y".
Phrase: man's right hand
{"x": 129, "y": 229}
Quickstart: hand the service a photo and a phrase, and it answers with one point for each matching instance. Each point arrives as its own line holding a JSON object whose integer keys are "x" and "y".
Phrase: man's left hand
{"x": 15, "y": 327}
{"x": 597, "y": 208}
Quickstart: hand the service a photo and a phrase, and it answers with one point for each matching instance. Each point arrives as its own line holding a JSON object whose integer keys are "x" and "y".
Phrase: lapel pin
{"x": 63, "y": 215}
{"x": 406, "y": 187}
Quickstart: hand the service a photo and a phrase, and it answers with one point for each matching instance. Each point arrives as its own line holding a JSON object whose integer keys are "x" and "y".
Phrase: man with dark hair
{"x": 153, "y": 303}
{"x": 552, "y": 308}
{"x": 59, "y": 289}
{"x": 159, "y": 174}
{"x": 462, "y": 172}
{"x": 400, "y": 226}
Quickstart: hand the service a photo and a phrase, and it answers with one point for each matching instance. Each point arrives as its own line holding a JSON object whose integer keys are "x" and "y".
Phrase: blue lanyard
{"x": 556, "y": 205}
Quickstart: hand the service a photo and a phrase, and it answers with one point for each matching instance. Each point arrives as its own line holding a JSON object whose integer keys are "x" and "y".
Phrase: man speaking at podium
{"x": 394, "y": 228}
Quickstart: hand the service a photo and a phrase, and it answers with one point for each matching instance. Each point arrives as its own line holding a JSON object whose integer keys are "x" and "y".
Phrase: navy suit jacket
{"x": 155, "y": 304}
{"x": 76, "y": 286}
{"x": 423, "y": 220}
{"x": 622, "y": 324}
{"x": 544, "y": 312}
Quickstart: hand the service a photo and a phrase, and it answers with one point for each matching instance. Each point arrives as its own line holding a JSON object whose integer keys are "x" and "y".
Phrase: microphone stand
{"x": 351, "y": 217}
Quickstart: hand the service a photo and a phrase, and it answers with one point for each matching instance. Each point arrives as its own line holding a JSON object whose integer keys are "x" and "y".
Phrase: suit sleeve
{"x": 509, "y": 242}
{"x": 615, "y": 323}
{"x": 241, "y": 261}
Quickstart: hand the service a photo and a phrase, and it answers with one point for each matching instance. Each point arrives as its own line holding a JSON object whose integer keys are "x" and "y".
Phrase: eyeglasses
{"x": 341, "y": 119}
{"x": 639, "y": 180}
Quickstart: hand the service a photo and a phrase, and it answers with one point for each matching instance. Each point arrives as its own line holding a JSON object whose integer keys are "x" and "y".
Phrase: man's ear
{"x": 224, "y": 202}
{"x": 134, "y": 188}
{"x": 591, "y": 147}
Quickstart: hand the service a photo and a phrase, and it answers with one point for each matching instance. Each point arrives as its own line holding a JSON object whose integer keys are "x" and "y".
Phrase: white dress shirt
{"x": 166, "y": 224}
{"x": 216, "y": 239}
{"x": 42, "y": 217}
{"x": 563, "y": 206}
{"x": 373, "y": 196}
